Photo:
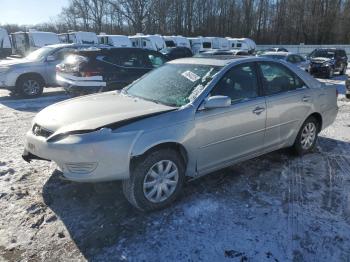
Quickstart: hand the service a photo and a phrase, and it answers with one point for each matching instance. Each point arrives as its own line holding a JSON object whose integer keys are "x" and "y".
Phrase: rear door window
{"x": 277, "y": 78}
{"x": 126, "y": 58}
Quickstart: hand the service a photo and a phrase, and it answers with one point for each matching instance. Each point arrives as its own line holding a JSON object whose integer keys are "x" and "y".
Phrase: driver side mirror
{"x": 50, "y": 58}
{"x": 216, "y": 102}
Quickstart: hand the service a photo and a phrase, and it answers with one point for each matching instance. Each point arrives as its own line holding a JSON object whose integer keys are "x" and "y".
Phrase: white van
{"x": 175, "y": 41}
{"x": 80, "y": 37}
{"x": 242, "y": 44}
{"x": 25, "y": 42}
{"x": 219, "y": 43}
{"x": 5, "y": 44}
{"x": 200, "y": 44}
{"x": 152, "y": 42}
{"x": 114, "y": 40}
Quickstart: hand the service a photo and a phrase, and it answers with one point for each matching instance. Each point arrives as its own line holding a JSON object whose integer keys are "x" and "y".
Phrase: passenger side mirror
{"x": 217, "y": 102}
{"x": 50, "y": 58}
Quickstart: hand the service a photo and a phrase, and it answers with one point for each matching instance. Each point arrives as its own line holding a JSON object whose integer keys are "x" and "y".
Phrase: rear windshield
{"x": 173, "y": 84}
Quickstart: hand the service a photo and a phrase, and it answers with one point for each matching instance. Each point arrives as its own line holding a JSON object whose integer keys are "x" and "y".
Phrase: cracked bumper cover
{"x": 91, "y": 157}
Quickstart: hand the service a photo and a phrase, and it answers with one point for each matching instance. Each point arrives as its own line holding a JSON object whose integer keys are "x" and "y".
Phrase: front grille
{"x": 40, "y": 131}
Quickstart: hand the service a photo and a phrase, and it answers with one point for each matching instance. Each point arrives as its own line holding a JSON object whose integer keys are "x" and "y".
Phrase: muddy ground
{"x": 278, "y": 207}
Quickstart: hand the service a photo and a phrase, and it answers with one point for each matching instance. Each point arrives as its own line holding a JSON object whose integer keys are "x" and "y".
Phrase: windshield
{"x": 282, "y": 57}
{"x": 39, "y": 54}
{"x": 173, "y": 84}
{"x": 323, "y": 53}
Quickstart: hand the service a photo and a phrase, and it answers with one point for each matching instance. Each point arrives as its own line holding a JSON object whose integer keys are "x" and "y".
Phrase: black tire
{"x": 24, "y": 84}
{"x": 347, "y": 96}
{"x": 133, "y": 188}
{"x": 298, "y": 147}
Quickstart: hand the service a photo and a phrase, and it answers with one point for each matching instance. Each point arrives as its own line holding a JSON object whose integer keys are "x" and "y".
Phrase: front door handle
{"x": 306, "y": 98}
{"x": 258, "y": 110}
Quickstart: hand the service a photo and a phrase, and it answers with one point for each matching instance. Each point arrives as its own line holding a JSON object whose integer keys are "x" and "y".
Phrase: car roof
{"x": 213, "y": 61}
{"x": 277, "y": 53}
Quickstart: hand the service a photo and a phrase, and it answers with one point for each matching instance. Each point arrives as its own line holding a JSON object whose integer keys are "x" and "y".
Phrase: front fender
{"x": 182, "y": 134}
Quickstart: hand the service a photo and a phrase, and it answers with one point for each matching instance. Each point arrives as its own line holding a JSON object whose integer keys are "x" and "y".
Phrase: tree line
{"x": 265, "y": 21}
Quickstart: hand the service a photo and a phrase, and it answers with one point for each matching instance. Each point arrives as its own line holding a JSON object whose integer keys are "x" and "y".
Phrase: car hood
{"x": 95, "y": 111}
{"x": 320, "y": 59}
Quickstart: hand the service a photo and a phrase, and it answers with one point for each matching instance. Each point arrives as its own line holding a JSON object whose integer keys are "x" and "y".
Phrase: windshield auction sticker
{"x": 190, "y": 76}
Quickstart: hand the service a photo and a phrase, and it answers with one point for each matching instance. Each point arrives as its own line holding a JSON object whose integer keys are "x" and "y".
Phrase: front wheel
{"x": 156, "y": 180}
{"x": 30, "y": 87}
{"x": 307, "y": 136}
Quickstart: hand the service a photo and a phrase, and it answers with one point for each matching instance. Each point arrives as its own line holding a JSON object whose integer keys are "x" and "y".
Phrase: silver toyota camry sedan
{"x": 187, "y": 118}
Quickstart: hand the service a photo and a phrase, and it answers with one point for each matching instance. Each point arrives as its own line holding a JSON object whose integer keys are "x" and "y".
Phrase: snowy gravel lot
{"x": 277, "y": 207}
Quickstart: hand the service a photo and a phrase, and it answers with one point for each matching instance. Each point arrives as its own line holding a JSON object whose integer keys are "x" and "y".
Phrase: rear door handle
{"x": 306, "y": 98}
{"x": 258, "y": 110}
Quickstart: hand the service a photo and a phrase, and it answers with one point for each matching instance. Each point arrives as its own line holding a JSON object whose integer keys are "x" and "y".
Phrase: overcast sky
{"x": 29, "y": 11}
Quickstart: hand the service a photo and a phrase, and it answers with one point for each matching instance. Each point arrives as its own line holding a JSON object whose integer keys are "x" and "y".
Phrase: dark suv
{"x": 103, "y": 69}
{"x": 324, "y": 62}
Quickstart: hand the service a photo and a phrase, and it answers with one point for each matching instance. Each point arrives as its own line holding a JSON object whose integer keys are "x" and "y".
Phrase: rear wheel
{"x": 156, "y": 180}
{"x": 307, "y": 136}
{"x": 347, "y": 96}
{"x": 30, "y": 86}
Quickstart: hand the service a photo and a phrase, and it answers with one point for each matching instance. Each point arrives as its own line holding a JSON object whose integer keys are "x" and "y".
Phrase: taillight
{"x": 90, "y": 73}
{"x": 58, "y": 68}
{"x": 336, "y": 92}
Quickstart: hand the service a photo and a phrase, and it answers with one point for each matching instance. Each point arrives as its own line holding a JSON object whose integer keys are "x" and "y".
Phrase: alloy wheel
{"x": 160, "y": 181}
{"x": 31, "y": 87}
{"x": 308, "y": 135}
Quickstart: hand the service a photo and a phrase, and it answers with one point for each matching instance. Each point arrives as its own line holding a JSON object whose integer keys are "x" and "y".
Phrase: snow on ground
{"x": 276, "y": 207}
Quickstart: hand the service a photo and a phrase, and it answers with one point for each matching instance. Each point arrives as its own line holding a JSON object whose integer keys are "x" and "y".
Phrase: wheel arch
{"x": 178, "y": 147}
{"x": 32, "y": 74}
{"x": 319, "y": 119}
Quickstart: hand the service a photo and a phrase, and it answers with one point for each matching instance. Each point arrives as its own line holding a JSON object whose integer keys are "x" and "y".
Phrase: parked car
{"x": 295, "y": 59}
{"x": 277, "y": 49}
{"x": 176, "y": 52}
{"x": 189, "y": 117}
{"x": 324, "y": 62}
{"x": 83, "y": 38}
{"x": 103, "y": 69}
{"x": 23, "y": 43}
{"x": 5, "y": 44}
{"x": 114, "y": 40}
{"x": 233, "y": 52}
{"x": 29, "y": 75}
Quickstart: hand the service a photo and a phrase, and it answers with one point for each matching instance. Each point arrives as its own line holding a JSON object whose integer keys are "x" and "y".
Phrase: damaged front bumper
{"x": 102, "y": 155}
